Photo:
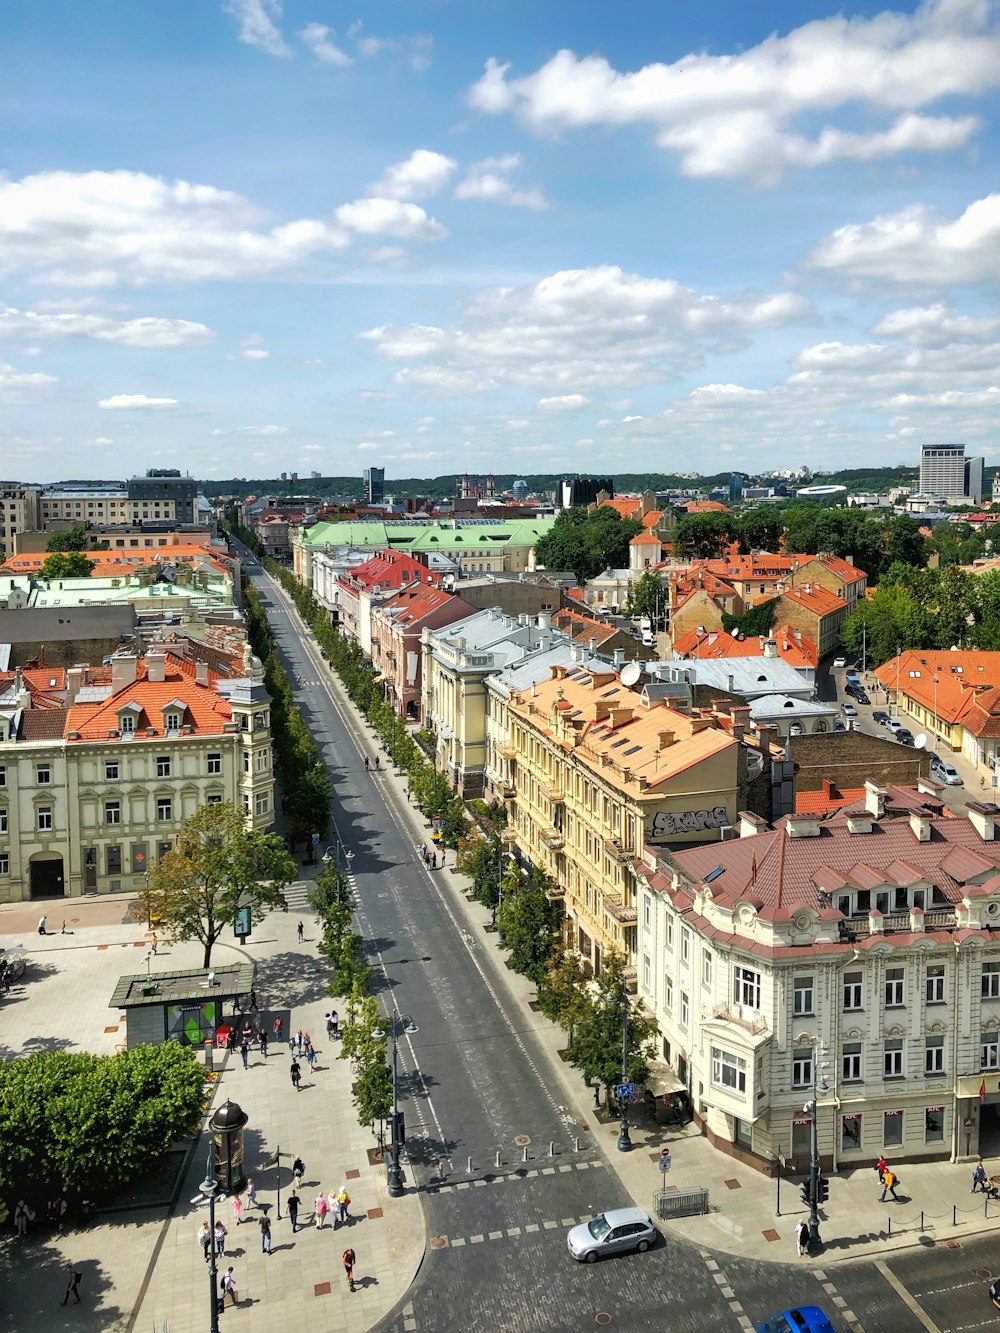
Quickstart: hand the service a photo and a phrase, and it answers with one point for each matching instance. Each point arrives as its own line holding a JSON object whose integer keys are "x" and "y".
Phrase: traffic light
{"x": 806, "y": 1193}
{"x": 824, "y": 1189}
{"x": 399, "y": 1130}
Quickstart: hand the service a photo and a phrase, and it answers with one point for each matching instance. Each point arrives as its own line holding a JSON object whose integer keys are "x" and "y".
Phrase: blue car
{"x": 805, "y": 1319}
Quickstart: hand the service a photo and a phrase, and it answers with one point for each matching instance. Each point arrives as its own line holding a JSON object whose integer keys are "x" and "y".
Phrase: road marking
{"x": 838, "y": 1300}
{"x": 722, "y": 1282}
{"x": 905, "y": 1296}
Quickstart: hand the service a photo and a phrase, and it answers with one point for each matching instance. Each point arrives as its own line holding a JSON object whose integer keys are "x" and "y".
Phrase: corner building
{"x": 861, "y": 948}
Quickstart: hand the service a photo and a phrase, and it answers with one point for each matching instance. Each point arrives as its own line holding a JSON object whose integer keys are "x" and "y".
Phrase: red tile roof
{"x": 815, "y": 598}
{"x": 204, "y": 710}
{"x": 957, "y": 686}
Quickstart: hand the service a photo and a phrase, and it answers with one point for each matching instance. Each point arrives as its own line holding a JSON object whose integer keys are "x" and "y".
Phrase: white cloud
{"x": 578, "y": 329}
{"x": 390, "y": 217}
{"x": 417, "y": 48}
{"x": 319, "y": 39}
{"x": 937, "y": 326}
{"x": 145, "y": 332}
{"x": 488, "y": 180}
{"x": 368, "y": 445}
{"x": 255, "y": 354}
{"x": 12, "y": 378}
{"x": 136, "y": 400}
{"x": 101, "y": 228}
{"x": 563, "y": 402}
{"x": 258, "y": 20}
{"x": 917, "y": 247}
{"x": 423, "y": 173}
{"x": 255, "y": 430}
{"x": 751, "y": 113}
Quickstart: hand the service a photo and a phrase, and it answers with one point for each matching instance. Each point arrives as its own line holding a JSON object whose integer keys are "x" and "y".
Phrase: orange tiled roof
{"x": 706, "y": 507}
{"x": 812, "y": 597}
{"x": 205, "y": 711}
{"x": 410, "y": 605}
{"x": 645, "y": 538}
{"x": 963, "y": 680}
{"x": 120, "y": 563}
{"x": 584, "y": 627}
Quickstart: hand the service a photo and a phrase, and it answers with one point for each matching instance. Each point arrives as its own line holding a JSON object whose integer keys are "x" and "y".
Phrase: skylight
{"x": 633, "y": 749}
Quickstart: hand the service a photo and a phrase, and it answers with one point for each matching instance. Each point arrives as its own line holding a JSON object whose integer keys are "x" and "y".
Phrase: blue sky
{"x": 250, "y": 237}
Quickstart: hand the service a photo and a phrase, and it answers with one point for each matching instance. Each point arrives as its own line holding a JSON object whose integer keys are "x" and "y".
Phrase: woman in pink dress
{"x": 320, "y": 1208}
{"x": 237, "y": 1208}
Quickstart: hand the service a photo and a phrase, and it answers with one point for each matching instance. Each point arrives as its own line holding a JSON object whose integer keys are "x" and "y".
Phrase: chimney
{"x": 875, "y": 799}
{"x": 123, "y": 672}
{"x": 74, "y": 683}
{"x": 751, "y": 824}
{"x": 740, "y": 713}
{"x": 921, "y": 826}
{"x": 802, "y": 826}
{"x": 575, "y": 652}
{"x": 767, "y": 734}
{"x": 797, "y": 635}
{"x": 592, "y": 644}
{"x": 618, "y": 657}
{"x": 770, "y": 649}
{"x": 829, "y": 789}
{"x": 544, "y": 620}
{"x": 731, "y": 684}
{"x": 156, "y": 666}
{"x": 860, "y": 822}
{"x": 666, "y": 739}
{"x": 201, "y": 673}
{"x": 982, "y": 817}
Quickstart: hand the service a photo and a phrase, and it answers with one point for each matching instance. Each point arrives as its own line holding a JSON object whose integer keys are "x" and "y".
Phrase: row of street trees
{"x": 926, "y": 608}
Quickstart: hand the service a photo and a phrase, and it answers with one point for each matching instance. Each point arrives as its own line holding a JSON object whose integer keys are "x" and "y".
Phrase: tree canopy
{"x": 587, "y": 541}
{"x": 597, "y": 1046}
{"x": 66, "y": 565}
{"x": 648, "y": 596}
{"x": 75, "y": 539}
{"x": 217, "y": 867}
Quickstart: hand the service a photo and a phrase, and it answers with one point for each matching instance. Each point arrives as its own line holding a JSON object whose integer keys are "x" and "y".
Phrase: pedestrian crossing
{"x": 511, "y": 1174}
{"x": 297, "y": 895}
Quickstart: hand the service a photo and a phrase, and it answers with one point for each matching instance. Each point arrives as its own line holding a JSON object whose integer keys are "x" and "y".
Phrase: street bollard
{"x": 524, "y": 1153}
{"x": 498, "y": 1159}
{"x": 552, "y": 1147}
{"x": 921, "y": 1219}
{"x": 470, "y": 1166}
{"x": 954, "y": 1215}
{"x": 576, "y": 1144}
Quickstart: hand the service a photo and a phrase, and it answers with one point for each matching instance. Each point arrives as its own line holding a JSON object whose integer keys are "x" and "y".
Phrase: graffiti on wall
{"x": 669, "y": 823}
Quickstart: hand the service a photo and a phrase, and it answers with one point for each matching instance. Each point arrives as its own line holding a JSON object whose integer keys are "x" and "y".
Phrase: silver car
{"x": 614, "y": 1231}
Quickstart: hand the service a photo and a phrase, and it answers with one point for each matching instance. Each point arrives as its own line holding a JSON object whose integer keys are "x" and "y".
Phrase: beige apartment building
{"x": 96, "y": 782}
{"x": 594, "y": 774}
{"x": 859, "y": 950}
{"x": 18, "y": 512}
{"x": 102, "y": 504}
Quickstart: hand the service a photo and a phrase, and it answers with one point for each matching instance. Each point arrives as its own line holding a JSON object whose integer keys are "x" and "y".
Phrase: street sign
{"x": 315, "y": 839}
{"x": 624, "y": 1090}
{"x": 665, "y": 1160}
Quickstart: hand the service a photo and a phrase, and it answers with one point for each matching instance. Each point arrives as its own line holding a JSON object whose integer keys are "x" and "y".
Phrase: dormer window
{"x": 172, "y": 722}
{"x": 126, "y": 724}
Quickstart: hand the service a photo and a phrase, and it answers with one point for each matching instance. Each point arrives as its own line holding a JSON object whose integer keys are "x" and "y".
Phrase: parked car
{"x": 861, "y": 696}
{"x": 848, "y": 710}
{"x": 894, "y": 725}
{"x": 804, "y": 1319}
{"x": 840, "y": 661}
{"x": 945, "y": 772}
{"x": 904, "y": 736}
{"x": 852, "y": 677}
{"x": 838, "y": 725}
{"x": 612, "y": 1232}
{"x": 880, "y": 717}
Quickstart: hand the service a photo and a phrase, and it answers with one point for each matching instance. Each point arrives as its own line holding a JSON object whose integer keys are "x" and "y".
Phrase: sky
{"x": 241, "y": 237}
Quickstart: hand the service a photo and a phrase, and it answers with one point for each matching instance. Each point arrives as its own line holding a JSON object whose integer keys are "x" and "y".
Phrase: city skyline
{"x": 251, "y": 237}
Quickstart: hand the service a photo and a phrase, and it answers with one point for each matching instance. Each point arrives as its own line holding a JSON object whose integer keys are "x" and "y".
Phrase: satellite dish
{"x": 630, "y": 673}
{"x": 920, "y": 741}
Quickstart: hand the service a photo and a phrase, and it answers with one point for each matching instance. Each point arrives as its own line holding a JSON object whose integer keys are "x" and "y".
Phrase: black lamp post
{"x": 624, "y": 1142}
{"x": 209, "y": 1187}
{"x": 393, "y": 1174}
{"x": 819, "y": 1085}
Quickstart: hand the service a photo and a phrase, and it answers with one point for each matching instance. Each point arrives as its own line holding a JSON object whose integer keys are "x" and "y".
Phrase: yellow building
{"x": 595, "y": 774}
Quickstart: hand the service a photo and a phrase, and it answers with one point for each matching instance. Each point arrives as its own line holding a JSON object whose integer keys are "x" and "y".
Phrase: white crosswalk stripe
{"x": 297, "y": 895}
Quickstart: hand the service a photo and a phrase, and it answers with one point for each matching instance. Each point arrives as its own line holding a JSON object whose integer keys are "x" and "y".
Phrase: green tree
{"x": 562, "y": 993}
{"x": 66, "y": 565}
{"x": 217, "y": 867}
{"x": 759, "y": 530}
{"x": 73, "y": 539}
{"x": 890, "y": 620}
{"x": 586, "y": 542}
{"x": 704, "y": 536}
{"x": 526, "y": 921}
{"x": 648, "y": 596}
{"x": 597, "y": 1049}
{"x": 985, "y": 630}
{"x": 331, "y": 888}
{"x": 364, "y": 1043}
{"x": 759, "y": 620}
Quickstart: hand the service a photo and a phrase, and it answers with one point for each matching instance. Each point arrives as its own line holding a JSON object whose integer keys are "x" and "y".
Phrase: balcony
{"x": 625, "y": 913}
{"x": 555, "y": 790}
{"x": 555, "y": 892}
{"x": 507, "y": 789}
{"x": 553, "y": 839}
{"x": 749, "y": 1019}
{"x": 507, "y": 751}
{"x": 618, "y": 853}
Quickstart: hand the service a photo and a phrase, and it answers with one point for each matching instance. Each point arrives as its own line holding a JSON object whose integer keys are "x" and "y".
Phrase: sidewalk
{"x": 743, "y": 1217}
{"x": 143, "y": 1268}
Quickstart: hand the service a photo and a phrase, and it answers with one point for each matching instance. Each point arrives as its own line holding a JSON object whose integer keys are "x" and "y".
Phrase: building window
{"x": 646, "y": 973}
{"x": 685, "y": 1009}
{"x": 262, "y": 803}
{"x": 264, "y": 763}
{"x": 991, "y": 981}
{"x": 114, "y": 857}
{"x": 4, "y": 864}
{"x": 894, "y": 988}
{"x": 3, "y": 775}
{"x": 112, "y": 812}
{"x": 802, "y": 1071}
{"x": 163, "y": 766}
{"x": 172, "y": 722}
{"x": 728, "y": 1070}
{"x": 802, "y": 996}
{"x": 246, "y": 761}
{"x": 850, "y": 1133}
{"x": 893, "y": 1058}
{"x": 670, "y": 932}
{"x": 685, "y": 945}
{"x": 164, "y": 808}
{"x": 934, "y": 1124}
{"x": 989, "y": 1051}
{"x": 213, "y": 799}
{"x": 706, "y": 968}
{"x": 44, "y": 817}
{"x": 127, "y": 724}
{"x": 853, "y": 982}
{"x": 892, "y": 1129}
{"x": 746, "y": 987}
{"x": 851, "y": 1062}
{"x": 3, "y": 820}
{"x": 668, "y": 995}
{"x": 43, "y": 774}
{"x": 934, "y": 1055}
{"x": 215, "y": 763}
{"x": 647, "y": 914}
{"x": 111, "y": 770}
{"x": 934, "y": 984}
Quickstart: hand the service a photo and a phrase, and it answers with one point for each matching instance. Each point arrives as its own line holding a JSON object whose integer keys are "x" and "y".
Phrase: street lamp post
{"x": 209, "y": 1186}
{"x": 624, "y": 1142}
{"x": 394, "y": 1176}
{"x": 819, "y": 1085}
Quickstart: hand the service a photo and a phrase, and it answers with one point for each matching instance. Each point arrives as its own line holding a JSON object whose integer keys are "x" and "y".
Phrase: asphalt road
{"x": 473, "y": 1078}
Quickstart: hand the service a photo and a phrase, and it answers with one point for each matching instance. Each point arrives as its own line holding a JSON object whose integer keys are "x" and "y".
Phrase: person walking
{"x": 22, "y": 1216}
{"x": 881, "y": 1166}
{"x": 42, "y": 925}
{"x": 251, "y": 1193}
{"x": 333, "y": 1024}
{"x": 299, "y": 1039}
{"x": 319, "y": 1207}
{"x": 298, "y": 1171}
{"x": 263, "y": 1042}
{"x": 205, "y": 1238}
{"x": 72, "y": 1286}
{"x": 292, "y": 1204}
{"x": 220, "y": 1238}
{"x": 245, "y": 1052}
{"x": 349, "y": 1261}
{"x": 343, "y": 1203}
{"x": 889, "y": 1184}
{"x": 332, "y": 1209}
{"x": 366, "y": 763}
{"x": 152, "y": 943}
{"x": 310, "y": 1055}
{"x": 276, "y": 1029}
{"x": 253, "y": 1000}
{"x": 802, "y": 1237}
{"x": 264, "y": 1222}
{"x": 301, "y": 931}
{"x": 237, "y": 1208}
{"x": 229, "y": 1293}
{"x": 979, "y": 1177}
{"x": 296, "y": 1073}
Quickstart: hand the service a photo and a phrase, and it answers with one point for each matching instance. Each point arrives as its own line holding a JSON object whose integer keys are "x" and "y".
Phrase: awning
{"x": 662, "y": 1079}
{"x": 969, "y": 1084}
